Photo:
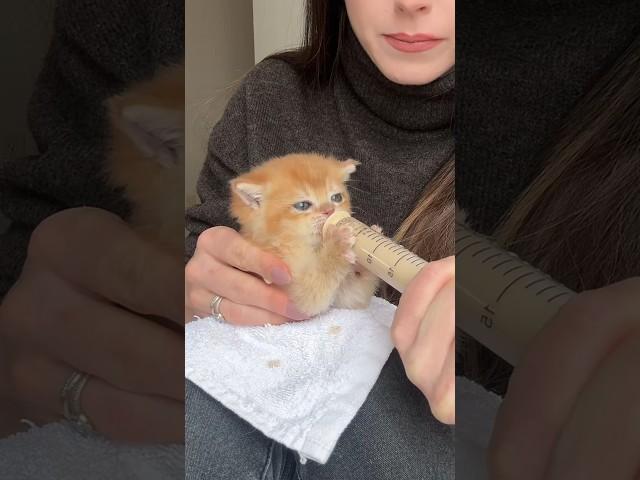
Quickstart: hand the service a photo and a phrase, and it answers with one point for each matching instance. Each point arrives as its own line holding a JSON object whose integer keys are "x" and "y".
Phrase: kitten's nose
{"x": 327, "y": 210}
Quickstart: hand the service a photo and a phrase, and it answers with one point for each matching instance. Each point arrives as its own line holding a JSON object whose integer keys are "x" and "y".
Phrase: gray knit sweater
{"x": 521, "y": 67}
{"x": 98, "y": 48}
{"x": 401, "y": 134}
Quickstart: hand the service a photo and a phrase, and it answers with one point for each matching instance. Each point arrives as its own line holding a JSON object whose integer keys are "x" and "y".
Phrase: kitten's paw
{"x": 377, "y": 229}
{"x": 350, "y": 256}
{"x": 343, "y": 240}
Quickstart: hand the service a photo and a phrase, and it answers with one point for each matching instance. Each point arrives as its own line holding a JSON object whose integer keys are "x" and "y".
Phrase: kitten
{"x": 282, "y": 206}
{"x": 146, "y": 155}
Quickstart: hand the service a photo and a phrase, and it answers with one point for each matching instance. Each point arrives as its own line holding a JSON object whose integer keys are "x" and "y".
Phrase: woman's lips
{"x": 412, "y": 43}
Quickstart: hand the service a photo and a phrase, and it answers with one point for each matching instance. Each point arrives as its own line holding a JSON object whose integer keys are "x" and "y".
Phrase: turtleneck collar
{"x": 423, "y": 107}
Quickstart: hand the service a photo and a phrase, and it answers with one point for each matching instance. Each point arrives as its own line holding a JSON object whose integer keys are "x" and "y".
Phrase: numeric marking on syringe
{"x": 487, "y": 320}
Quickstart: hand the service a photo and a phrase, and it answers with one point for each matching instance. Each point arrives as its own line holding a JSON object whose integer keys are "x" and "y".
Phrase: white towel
{"x": 57, "y": 451}
{"x": 300, "y": 383}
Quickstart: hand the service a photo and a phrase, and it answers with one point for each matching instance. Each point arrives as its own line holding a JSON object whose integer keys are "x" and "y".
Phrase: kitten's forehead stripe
{"x": 316, "y": 177}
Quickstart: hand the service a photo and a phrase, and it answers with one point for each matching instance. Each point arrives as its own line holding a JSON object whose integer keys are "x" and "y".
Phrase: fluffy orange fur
{"x": 154, "y": 111}
{"x": 282, "y": 206}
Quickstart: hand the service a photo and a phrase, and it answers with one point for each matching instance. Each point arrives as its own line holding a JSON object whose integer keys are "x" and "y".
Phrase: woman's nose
{"x": 412, "y": 6}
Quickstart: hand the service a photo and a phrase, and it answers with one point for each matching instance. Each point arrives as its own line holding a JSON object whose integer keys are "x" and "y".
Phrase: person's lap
{"x": 219, "y": 445}
{"x": 393, "y": 436}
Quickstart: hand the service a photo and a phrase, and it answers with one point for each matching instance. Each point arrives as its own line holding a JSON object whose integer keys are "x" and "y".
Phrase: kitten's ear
{"x": 249, "y": 193}
{"x": 348, "y": 167}
{"x": 158, "y": 132}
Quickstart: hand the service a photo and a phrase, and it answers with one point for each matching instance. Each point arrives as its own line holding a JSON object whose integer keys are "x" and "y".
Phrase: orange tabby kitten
{"x": 282, "y": 206}
{"x": 147, "y": 155}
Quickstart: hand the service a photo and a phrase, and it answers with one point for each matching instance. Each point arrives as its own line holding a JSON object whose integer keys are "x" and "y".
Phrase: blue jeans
{"x": 393, "y": 437}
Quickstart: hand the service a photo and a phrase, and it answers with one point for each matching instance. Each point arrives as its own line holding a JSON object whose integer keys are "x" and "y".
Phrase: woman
{"x": 357, "y": 88}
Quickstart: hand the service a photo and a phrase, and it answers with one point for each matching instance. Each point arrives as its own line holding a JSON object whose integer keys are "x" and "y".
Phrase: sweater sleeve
{"x": 227, "y": 156}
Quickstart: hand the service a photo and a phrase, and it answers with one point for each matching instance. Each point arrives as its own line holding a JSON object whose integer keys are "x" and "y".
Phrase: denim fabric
{"x": 393, "y": 437}
{"x": 219, "y": 445}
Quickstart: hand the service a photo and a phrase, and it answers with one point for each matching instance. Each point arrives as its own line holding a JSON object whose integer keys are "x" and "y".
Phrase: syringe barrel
{"x": 383, "y": 257}
{"x": 501, "y": 300}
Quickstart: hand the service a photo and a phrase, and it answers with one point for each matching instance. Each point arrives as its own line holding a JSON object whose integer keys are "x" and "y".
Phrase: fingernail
{"x": 294, "y": 314}
{"x": 280, "y": 276}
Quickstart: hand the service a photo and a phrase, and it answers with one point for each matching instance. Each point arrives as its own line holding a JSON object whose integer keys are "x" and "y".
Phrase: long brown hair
{"x": 325, "y": 27}
{"x": 579, "y": 221}
{"x": 575, "y": 217}
{"x": 429, "y": 230}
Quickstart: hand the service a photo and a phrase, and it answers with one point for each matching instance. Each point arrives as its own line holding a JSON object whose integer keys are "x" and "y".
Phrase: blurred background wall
{"x": 224, "y": 39}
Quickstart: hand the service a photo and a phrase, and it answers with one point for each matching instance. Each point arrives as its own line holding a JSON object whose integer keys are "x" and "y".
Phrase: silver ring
{"x": 70, "y": 395}
{"x": 215, "y": 308}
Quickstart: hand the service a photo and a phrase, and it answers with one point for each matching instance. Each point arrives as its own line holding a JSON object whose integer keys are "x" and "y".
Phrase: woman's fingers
{"x": 118, "y": 414}
{"x": 247, "y": 315}
{"x": 107, "y": 258}
{"x": 594, "y": 444}
{"x": 545, "y": 386}
{"x": 126, "y": 416}
{"x": 234, "y": 313}
{"x": 423, "y": 331}
{"x": 207, "y": 275}
{"x": 220, "y": 266}
{"x": 429, "y": 362}
{"x": 443, "y": 403}
{"x": 226, "y": 245}
{"x": 416, "y": 299}
{"x": 126, "y": 350}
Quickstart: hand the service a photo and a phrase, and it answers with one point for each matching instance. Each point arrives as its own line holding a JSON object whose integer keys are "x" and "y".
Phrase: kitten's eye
{"x": 302, "y": 206}
{"x": 336, "y": 197}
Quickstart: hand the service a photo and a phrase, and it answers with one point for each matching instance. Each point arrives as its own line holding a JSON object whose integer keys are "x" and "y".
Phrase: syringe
{"x": 501, "y": 300}
{"x": 383, "y": 257}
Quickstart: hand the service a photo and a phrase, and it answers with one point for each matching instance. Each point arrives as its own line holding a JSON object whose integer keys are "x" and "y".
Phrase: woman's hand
{"x": 423, "y": 331}
{"x": 78, "y": 306}
{"x": 223, "y": 264}
{"x": 572, "y": 410}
